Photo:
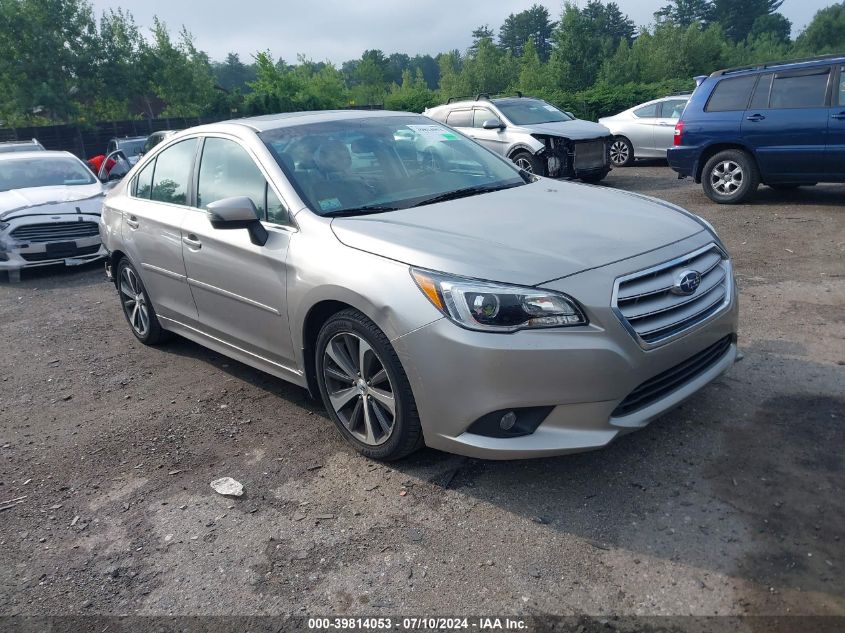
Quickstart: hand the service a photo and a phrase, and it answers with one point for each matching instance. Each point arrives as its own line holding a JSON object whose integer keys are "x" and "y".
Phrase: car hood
{"x": 51, "y": 200}
{"x": 525, "y": 235}
{"x": 576, "y": 130}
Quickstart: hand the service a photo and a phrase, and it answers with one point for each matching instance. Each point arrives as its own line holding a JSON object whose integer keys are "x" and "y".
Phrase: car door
{"x": 835, "y": 153}
{"x": 494, "y": 139}
{"x": 669, "y": 115}
{"x": 788, "y": 131}
{"x": 641, "y": 130}
{"x": 239, "y": 287}
{"x": 152, "y": 216}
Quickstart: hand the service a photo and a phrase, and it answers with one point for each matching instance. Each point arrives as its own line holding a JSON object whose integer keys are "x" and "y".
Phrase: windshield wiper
{"x": 365, "y": 210}
{"x": 465, "y": 193}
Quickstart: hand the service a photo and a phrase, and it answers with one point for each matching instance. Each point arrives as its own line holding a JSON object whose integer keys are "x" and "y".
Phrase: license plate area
{"x": 61, "y": 249}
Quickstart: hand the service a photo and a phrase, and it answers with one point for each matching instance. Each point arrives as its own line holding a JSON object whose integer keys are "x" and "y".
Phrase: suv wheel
{"x": 136, "y": 305}
{"x": 528, "y": 162}
{"x": 364, "y": 388}
{"x": 621, "y": 152}
{"x": 730, "y": 177}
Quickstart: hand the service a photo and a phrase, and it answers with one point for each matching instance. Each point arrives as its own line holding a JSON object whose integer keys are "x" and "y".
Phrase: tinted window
{"x": 646, "y": 111}
{"x": 460, "y": 118}
{"x": 144, "y": 181}
{"x": 173, "y": 171}
{"x": 673, "y": 108}
{"x": 799, "y": 91}
{"x": 841, "y": 86}
{"x": 481, "y": 115}
{"x": 761, "y": 92}
{"x": 227, "y": 171}
{"x": 731, "y": 94}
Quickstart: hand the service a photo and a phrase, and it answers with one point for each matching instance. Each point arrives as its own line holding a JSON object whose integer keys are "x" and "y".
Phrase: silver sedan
{"x": 644, "y": 131}
{"x": 423, "y": 287}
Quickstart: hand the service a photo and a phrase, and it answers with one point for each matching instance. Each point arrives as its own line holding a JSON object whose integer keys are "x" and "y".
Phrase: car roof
{"x": 39, "y": 154}
{"x": 290, "y": 119}
{"x": 787, "y": 64}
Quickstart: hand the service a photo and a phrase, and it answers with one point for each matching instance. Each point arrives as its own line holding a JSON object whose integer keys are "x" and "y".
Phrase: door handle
{"x": 132, "y": 221}
{"x": 191, "y": 241}
{"x": 839, "y": 116}
{"x": 755, "y": 117}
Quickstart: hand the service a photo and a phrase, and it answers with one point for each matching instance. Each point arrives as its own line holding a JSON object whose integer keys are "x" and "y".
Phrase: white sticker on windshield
{"x": 434, "y": 132}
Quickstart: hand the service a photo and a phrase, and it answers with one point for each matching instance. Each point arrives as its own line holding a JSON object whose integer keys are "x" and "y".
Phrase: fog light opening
{"x": 507, "y": 421}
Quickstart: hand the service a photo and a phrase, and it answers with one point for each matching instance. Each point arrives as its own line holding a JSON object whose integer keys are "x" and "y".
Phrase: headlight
{"x": 489, "y": 307}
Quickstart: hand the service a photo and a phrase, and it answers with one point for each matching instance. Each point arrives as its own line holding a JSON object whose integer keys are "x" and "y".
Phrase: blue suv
{"x": 780, "y": 123}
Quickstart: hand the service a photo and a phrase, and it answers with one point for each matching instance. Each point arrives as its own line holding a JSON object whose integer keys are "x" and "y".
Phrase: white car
{"x": 644, "y": 131}
{"x": 50, "y": 205}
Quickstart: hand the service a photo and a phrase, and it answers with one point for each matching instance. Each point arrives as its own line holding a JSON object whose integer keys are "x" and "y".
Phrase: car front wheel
{"x": 528, "y": 162}
{"x": 364, "y": 388}
{"x": 730, "y": 177}
{"x": 137, "y": 308}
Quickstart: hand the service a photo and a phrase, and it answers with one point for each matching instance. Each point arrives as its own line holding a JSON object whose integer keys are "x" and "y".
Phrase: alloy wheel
{"x": 619, "y": 152}
{"x": 134, "y": 302}
{"x": 359, "y": 388}
{"x": 726, "y": 177}
{"x": 523, "y": 163}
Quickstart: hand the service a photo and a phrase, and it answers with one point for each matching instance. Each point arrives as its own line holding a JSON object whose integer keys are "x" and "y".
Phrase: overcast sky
{"x": 337, "y": 30}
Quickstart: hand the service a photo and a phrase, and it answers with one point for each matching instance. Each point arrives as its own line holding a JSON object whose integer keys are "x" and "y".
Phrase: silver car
{"x": 49, "y": 211}
{"x": 426, "y": 289}
{"x": 537, "y": 136}
{"x": 644, "y": 131}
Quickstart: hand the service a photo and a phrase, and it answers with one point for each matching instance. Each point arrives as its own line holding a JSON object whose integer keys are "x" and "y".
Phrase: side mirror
{"x": 238, "y": 213}
{"x": 493, "y": 124}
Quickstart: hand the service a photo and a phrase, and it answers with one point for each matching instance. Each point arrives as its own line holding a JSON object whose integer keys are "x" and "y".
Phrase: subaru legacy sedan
{"x": 426, "y": 289}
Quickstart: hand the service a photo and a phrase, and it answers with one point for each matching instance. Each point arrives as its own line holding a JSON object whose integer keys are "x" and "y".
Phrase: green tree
{"x": 232, "y": 73}
{"x": 825, "y": 33}
{"x": 532, "y": 25}
{"x": 413, "y": 95}
{"x": 737, "y": 17}
{"x": 686, "y": 12}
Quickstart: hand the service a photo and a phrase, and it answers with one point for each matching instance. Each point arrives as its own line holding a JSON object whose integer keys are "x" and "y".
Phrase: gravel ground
{"x": 731, "y": 504}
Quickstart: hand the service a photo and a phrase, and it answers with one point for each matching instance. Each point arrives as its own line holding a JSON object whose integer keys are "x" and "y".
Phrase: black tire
{"x": 405, "y": 435}
{"x": 153, "y": 333}
{"x": 528, "y": 162}
{"x": 730, "y": 177}
{"x": 593, "y": 178}
{"x": 621, "y": 152}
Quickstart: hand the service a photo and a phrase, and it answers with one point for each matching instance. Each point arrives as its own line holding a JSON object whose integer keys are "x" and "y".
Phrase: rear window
{"x": 646, "y": 112}
{"x": 805, "y": 90}
{"x": 459, "y": 118}
{"x": 731, "y": 94}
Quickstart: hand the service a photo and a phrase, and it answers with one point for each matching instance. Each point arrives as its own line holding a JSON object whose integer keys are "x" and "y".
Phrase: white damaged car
{"x": 50, "y": 205}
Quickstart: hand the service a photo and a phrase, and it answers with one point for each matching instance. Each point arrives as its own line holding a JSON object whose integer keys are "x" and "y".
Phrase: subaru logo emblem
{"x": 687, "y": 282}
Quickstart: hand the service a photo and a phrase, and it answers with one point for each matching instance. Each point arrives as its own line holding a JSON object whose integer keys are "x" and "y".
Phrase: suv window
{"x": 731, "y": 94}
{"x": 480, "y": 115}
{"x": 805, "y": 90}
{"x": 841, "y": 90}
{"x": 761, "y": 92}
{"x": 646, "y": 112}
{"x": 459, "y": 118}
{"x": 144, "y": 181}
{"x": 673, "y": 108}
{"x": 173, "y": 172}
{"x": 227, "y": 171}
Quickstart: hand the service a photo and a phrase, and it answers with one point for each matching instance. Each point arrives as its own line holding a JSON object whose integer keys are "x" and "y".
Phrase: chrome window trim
{"x": 729, "y": 290}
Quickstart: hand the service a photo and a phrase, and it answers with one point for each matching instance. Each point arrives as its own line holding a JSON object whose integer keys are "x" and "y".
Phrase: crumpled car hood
{"x": 526, "y": 235}
{"x": 51, "y": 200}
{"x": 576, "y": 130}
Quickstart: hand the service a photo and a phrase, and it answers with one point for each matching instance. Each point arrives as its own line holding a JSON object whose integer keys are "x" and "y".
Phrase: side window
{"x": 731, "y": 94}
{"x": 277, "y": 212}
{"x": 173, "y": 172}
{"x": 227, "y": 171}
{"x": 459, "y": 118}
{"x": 646, "y": 112}
{"x": 841, "y": 90}
{"x": 760, "y": 100}
{"x": 144, "y": 181}
{"x": 480, "y": 115}
{"x": 805, "y": 90}
{"x": 673, "y": 109}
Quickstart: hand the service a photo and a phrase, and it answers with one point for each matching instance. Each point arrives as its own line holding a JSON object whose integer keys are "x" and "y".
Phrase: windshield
{"x": 20, "y": 147}
{"x": 384, "y": 163}
{"x": 132, "y": 147}
{"x": 531, "y": 111}
{"x": 23, "y": 173}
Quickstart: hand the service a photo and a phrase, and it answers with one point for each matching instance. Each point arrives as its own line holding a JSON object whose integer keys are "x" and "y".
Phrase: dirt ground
{"x": 732, "y": 504}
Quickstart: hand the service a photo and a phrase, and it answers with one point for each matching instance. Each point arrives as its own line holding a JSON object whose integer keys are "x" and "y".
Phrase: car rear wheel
{"x": 137, "y": 308}
{"x": 621, "y": 152}
{"x": 528, "y": 162}
{"x": 730, "y": 177}
{"x": 364, "y": 388}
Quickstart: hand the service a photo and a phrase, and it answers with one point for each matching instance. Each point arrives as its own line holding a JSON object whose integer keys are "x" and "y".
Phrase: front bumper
{"x": 17, "y": 253}
{"x": 582, "y": 374}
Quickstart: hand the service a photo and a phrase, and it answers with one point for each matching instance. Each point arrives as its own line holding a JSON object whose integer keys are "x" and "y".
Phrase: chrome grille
{"x": 654, "y": 314}
{"x": 55, "y": 232}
